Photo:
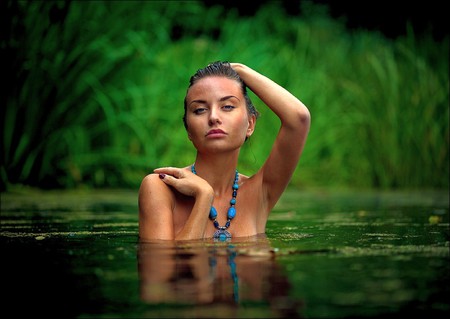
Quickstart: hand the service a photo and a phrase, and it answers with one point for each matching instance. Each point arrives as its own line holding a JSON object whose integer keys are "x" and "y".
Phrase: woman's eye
{"x": 228, "y": 107}
{"x": 199, "y": 110}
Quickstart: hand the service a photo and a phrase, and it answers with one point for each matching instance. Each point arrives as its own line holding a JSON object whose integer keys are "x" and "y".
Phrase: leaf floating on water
{"x": 257, "y": 252}
{"x": 434, "y": 219}
{"x": 291, "y": 236}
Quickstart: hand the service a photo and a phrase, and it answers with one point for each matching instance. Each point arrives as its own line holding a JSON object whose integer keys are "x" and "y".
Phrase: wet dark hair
{"x": 223, "y": 69}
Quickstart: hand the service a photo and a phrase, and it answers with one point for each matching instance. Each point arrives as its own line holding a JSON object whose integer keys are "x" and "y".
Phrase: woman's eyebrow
{"x": 228, "y": 97}
{"x": 220, "y": 100}
{"x": 198, "y": 101}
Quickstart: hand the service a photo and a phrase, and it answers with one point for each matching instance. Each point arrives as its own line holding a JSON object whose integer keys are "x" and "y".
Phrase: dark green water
{"x": 326, "y": 255}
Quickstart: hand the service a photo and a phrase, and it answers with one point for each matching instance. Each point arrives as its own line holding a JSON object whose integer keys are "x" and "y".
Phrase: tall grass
{"x": 96, "y": 90}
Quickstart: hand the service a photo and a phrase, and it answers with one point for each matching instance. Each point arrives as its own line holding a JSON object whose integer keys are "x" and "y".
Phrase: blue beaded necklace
{"x": 221, "y": 233}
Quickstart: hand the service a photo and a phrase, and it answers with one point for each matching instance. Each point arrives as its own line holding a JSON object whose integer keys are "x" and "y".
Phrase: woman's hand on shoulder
{"x": 184, "y": 181}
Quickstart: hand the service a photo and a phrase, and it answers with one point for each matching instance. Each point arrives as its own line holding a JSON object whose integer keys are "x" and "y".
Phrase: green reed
{"x": 97, "y": 93}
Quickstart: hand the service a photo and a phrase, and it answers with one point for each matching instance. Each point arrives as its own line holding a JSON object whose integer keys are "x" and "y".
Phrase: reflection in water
{"x": 206, "y": 272}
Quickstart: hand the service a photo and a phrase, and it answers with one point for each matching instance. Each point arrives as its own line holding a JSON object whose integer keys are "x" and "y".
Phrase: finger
{"x": 168, "y": 179}
{"x": 173, "y": 171}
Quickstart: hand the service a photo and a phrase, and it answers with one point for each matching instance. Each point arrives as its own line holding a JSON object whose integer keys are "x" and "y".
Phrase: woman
{"x": 209, "y": 198}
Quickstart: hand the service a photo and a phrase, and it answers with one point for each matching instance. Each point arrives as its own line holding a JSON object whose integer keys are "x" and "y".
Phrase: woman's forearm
{"x": 284, "y": 104}
{"x": 196, "y": 224}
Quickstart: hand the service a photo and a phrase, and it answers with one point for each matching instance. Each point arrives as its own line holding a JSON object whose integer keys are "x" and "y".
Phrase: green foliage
{"x": 95, "y": 93}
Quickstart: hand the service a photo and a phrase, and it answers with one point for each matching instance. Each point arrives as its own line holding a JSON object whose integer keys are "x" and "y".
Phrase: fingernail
{"x": 162, "y": 176}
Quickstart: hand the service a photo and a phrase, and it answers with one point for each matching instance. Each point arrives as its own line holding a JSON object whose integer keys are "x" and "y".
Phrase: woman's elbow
{"x": 301, "y": 120}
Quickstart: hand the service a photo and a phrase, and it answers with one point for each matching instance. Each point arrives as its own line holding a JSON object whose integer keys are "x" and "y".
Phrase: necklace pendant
{"x": 222, "y": 235}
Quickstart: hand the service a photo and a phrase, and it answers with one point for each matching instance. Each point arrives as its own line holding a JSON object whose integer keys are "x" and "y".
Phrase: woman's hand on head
{"x": 236, "y": 66}
{"x": 184, "y": 181}
{"x": 242, "y": 70}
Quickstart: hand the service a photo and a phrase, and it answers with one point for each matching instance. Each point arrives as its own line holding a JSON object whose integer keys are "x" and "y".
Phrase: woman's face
{"x": 216, "y": 115}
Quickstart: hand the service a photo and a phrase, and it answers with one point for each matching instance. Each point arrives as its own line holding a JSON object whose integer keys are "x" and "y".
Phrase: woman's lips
{"x": 215, "y": 133}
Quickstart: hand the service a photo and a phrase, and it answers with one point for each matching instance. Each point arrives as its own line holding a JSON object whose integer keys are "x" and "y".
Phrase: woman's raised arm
{"x": 295, "y": 122}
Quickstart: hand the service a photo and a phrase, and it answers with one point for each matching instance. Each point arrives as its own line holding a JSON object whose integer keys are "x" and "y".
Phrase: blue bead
{"x": 231, "y": 212}
{"x": 235, "y": 186}
{"x": 212, "y": 213}
{"x": 216, "y": 224}
{"x": 222, "y": 237}
{"x": 233, "y": 201}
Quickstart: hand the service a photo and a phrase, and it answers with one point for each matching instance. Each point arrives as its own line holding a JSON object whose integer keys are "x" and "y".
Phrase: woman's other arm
{"x": 295, "y": 122}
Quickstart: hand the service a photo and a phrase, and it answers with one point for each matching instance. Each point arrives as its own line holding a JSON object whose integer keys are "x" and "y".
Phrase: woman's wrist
{"x": 205, "y": 194}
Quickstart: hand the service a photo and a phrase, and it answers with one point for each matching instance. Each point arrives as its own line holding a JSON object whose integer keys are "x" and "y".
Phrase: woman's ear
{"x": 251, "y": 125}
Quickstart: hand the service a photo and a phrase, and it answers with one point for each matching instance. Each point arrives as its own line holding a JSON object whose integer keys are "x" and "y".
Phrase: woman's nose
{"x": 214, "y": 117}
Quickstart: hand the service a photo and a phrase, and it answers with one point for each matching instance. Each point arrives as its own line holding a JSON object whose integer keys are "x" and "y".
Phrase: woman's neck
{"x": 219, "y": 172}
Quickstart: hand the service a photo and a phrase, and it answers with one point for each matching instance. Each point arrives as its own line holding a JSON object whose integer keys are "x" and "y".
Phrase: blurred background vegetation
{"x": 92, "y": 92}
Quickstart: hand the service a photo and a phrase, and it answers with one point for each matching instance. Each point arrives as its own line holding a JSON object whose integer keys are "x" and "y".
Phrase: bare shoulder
{"x": 252, "y": 198}
{"x": 149, "y": 183}
{"x": 154, "y": 190}
{"x": 252, "y": 186}
{"x": 251, "y": 181}
{"x": 255, "y": 188}
{"x": 156, "y": 202}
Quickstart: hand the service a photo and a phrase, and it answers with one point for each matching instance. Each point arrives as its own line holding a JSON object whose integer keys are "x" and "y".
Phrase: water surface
{"x": 325, "y": 255}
